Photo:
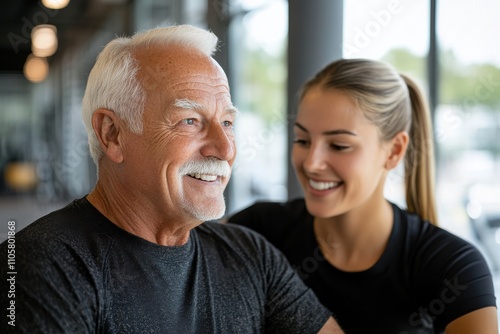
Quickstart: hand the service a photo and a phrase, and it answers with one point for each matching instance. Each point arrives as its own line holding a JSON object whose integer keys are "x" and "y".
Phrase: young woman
{"x": 379, "y": 268}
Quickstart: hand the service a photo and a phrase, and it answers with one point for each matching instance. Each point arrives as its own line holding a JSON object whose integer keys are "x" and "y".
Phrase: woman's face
{"x": 338, "y": 156}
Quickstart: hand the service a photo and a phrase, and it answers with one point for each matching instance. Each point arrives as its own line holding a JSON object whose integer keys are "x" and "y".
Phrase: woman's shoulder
{"x": 272, "y": 219}
{"x": 421, "y": 234}
{"x": 265, "y": 211}
{"x": 436, "y": 254}
{"x": 444, "y": 268}
{"x": 272, "y": 207}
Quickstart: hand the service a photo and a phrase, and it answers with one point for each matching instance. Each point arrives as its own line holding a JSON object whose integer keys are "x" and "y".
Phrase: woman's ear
{"x": 397, "y": 149}
{"x": 108, "y": 130}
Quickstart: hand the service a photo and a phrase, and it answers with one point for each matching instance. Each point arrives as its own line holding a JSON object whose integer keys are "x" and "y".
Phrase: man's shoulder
{"x": 72, "y": 229}
{"x": 232, "y": 239}
{"x": 65, "y": 220}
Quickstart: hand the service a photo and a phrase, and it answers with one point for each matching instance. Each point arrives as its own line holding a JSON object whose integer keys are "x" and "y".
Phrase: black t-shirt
{"x": 425, "y": 278}
{"x": 76, "y": 272}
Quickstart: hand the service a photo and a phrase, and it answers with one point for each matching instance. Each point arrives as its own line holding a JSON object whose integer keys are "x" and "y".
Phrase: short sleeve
{"x": 458, "y": 276}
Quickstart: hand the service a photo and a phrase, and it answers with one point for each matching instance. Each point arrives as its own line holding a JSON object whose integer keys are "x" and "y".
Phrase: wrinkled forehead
{"x": 176, "y": 64}
{"x": 169, "y": 75}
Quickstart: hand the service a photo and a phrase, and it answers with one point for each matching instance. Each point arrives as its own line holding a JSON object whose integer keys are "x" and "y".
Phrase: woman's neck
{"x": 355, "y": 241}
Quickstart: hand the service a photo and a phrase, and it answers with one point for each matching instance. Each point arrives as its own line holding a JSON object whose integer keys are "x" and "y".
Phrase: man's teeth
{"x": 322, "y": 185}
{"x": 204, "y": 177}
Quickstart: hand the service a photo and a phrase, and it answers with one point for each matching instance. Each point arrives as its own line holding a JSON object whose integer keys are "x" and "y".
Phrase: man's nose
{"x": 220, "y": 144}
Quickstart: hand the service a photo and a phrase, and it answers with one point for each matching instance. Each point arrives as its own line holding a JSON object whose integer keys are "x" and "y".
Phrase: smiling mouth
{"x": 204, "y": 177}
{"x": 316, "y": 185}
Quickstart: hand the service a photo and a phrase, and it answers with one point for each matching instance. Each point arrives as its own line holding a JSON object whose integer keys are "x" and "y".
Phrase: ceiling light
{"x": 36, "y": 68}
{"x": 55, "y": 4}
{"x": 44, "y": 40}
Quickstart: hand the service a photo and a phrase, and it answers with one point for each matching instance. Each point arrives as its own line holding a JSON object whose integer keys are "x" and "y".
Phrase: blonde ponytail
{"x": 419, "y": 160}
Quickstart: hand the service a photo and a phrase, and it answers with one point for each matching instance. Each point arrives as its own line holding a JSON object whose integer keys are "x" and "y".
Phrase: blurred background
{"x": 268, "y": 49}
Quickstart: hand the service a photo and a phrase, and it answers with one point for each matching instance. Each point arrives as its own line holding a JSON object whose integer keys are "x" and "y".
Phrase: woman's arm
{"x": 482, "y": 321}
{"x": 331, "y": 327}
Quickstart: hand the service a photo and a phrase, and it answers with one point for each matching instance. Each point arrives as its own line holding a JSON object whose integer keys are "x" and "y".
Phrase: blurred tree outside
{"x": 459, "y": 82}
{"x": 466, "y": 85}
{"x": 264, "y": 83}
{"x": 469, "y": 96}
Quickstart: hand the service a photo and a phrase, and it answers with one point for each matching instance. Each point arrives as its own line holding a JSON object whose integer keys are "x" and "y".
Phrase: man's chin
{"x": 207, "y": 212}
{"x": 208, "y": 216}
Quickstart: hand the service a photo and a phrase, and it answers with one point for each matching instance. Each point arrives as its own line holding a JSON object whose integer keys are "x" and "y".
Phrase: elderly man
{"x": 133, "y": 256}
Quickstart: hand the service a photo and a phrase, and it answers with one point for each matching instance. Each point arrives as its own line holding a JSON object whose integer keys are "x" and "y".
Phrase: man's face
{"x": 188, "y": 120}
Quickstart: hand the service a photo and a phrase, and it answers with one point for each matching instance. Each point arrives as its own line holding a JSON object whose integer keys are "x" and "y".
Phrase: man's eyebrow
{"x": 192, "y": 105}
{"x": 329, "y": 132}
{"x": 187, "y": 104}
{"x": 233, "y": 111}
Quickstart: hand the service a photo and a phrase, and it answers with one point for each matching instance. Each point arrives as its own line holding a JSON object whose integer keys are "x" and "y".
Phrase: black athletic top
{"x": 76, "y": 272}
{"x": 425, "y": 278}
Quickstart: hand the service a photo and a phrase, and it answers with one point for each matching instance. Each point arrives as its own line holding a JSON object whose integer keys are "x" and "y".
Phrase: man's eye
{"x": 227, "y": 124}
{"x": 189, "y": 121}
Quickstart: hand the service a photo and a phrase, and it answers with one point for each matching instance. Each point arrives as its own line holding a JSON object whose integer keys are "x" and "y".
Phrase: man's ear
{"x": 397, "y": 149}
{"x": 108, "y": 130}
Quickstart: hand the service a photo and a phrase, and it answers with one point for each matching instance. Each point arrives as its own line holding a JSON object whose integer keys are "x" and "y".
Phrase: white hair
{"x": 113, "y": 85}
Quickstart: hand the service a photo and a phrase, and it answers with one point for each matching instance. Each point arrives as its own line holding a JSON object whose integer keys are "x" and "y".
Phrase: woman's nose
{"x": 315, "y": 159}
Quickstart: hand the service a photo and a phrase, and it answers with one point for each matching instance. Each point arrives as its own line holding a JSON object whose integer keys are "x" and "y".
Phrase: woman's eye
{"x": 339, "y": 147}
{"x": 301, "y": 142}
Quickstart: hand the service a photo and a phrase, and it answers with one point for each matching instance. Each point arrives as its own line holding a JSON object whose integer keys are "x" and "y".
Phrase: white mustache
{"x": 207, "y": 167}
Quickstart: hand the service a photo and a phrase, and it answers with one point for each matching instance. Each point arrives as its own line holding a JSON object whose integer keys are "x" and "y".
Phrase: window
{"x": 259, "y": 91}
{"x": 468, "y": 122}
